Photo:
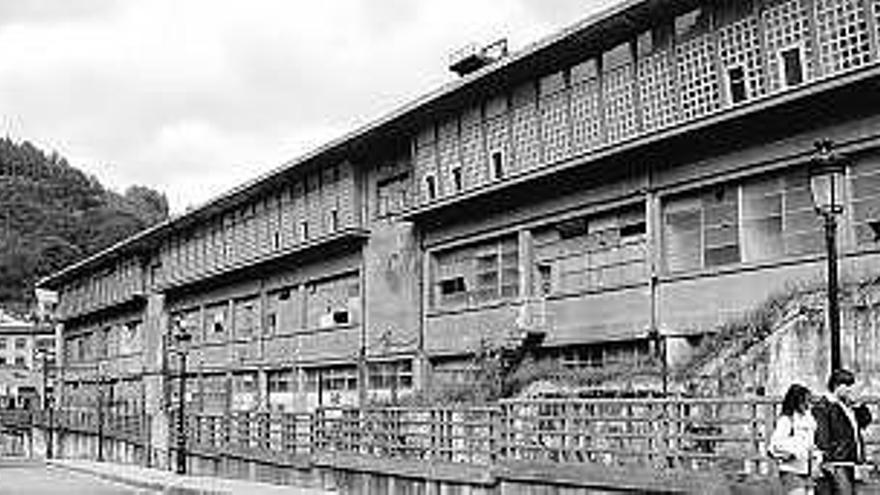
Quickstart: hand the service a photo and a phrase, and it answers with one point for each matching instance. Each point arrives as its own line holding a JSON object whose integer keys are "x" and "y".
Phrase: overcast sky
{"x": 193, "y": 97}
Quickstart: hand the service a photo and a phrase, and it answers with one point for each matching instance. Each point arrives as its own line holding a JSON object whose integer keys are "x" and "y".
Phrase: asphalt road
{"x": 24, "y": 477}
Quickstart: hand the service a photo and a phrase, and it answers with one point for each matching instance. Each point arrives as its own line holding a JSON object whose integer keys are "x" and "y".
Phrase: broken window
{"x": 792, "y": 63}
{"x": 431, "y": 187}
{"x": 477, "y": 274}
{"x": 591, "y": 252}
{"x": 333, "y": 302}
{"x": 764, "y": 218}
{"x": 245, "y": 317}
{"x": 736, "y": 84}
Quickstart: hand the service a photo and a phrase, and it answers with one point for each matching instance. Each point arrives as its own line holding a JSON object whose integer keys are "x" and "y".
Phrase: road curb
{"x": 164, "y": 487}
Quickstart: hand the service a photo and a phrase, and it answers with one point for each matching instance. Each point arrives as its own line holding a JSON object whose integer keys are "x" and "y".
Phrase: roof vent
{"x": 474, "y": 57}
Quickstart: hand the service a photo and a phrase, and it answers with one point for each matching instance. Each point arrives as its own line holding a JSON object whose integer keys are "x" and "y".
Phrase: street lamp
{"x": 181, "y": 338}
{"x": 47, "y": 406}
{"x": 827, "y": 176}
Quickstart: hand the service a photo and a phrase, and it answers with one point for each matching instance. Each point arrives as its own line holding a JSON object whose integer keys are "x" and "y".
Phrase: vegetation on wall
{"x": 52, "y": 214}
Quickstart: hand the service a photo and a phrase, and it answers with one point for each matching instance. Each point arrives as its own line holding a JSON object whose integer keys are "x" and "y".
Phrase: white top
{"x": 792, "y": 440}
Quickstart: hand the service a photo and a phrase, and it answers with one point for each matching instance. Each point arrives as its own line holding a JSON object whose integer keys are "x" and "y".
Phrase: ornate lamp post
{"x": 181, "y": 339}
{"x": 827, "y": 176}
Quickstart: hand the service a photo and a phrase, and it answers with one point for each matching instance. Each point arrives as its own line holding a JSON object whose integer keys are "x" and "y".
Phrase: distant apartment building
{"x": 637, "y": 178}
{"x": 21, "y": 342}
{"x": 23, "y": 347}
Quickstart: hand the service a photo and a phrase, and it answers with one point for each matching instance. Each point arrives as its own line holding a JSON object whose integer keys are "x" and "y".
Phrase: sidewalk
{"x": 168, "y": 482}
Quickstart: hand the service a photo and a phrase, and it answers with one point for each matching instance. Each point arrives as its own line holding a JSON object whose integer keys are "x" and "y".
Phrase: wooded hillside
{"x": 52, "y": 214}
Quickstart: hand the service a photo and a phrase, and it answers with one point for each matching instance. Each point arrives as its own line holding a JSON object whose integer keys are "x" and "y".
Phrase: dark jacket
{"x": 834, "y": 433}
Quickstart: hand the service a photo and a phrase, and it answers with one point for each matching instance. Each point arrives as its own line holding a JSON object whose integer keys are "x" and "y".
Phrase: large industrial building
{"x": 639, "y": 177}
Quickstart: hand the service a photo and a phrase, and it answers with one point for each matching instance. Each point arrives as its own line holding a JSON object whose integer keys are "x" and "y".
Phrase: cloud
{"x": 195, "y": 96}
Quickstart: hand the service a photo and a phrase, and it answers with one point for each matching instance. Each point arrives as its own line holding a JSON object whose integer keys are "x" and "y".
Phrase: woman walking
{"x": 791, "y": 443}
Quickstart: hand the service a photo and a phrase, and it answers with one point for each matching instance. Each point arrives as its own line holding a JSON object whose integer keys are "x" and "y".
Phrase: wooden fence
{"x": 726, "y": 435}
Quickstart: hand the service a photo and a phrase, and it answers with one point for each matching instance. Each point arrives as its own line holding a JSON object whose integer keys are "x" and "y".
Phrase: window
{"x": 457, "y": 183}
{"x": 339, "y": 378}
{"x": 245, "y": 318}
{"x": 271, "y": 323}
{"x": 452, "y": 286}
{"x": 2, "y": 342}
{"x": 304, "y": 231}
{"x": 340, "y": 317}
{"x": 333, "y": 302}
{"x": 333, "y": 221}
{"x": 391, "y": 375}
{"x": 762, "y": 218}
{"x": 19, "y": 361}
{"x": 133, "y": 336}
{"x": 721, "y": 227}
{"x": 2, "y": 360}
{"x": 736, "y": 82}
{"x": 215, "y": 319}
{"x": 497, "y": 164}
{"x": 865, "y": 193}
{"x": 545, "y": 279}
{"x": 477, "y": 274}
{"x": 431, "y": 187}
{"x": 392, "y": 195}
{"x": 602, "y": 250}
{"x": 281, "y": 381}
{"x": 627, "y": 352}
{"x": 20, "y": 343}
{"x": 792, "y": 66}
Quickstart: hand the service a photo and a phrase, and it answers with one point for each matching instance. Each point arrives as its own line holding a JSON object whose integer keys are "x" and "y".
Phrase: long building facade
{"x": 638, "y": 177}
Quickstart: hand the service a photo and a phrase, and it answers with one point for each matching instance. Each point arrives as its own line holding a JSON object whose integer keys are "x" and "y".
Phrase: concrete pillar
{"x": 156, "y": 412}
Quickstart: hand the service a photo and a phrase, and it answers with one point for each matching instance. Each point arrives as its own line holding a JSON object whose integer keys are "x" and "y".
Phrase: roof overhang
{"x": 562, "y": 49}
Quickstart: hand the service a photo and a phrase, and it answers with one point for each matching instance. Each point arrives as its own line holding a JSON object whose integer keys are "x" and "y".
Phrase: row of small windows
{"x": 18, "y": 361}
{"x": 117, "y": 283}
{"x": 104, "y": 341}
{"x": 655, "y": 81}
{"x": 323, "y": 304}
{"x": 20, "y": 342}
{"x": 319, "y": 204}
{"x": 242, "y": 390}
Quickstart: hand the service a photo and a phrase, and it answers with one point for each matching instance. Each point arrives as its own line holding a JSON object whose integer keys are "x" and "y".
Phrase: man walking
{"x": 839, "y": 427}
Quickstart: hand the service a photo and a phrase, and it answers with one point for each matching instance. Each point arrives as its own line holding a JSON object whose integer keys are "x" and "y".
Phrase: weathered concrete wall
{"x": 393, "y": 281}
